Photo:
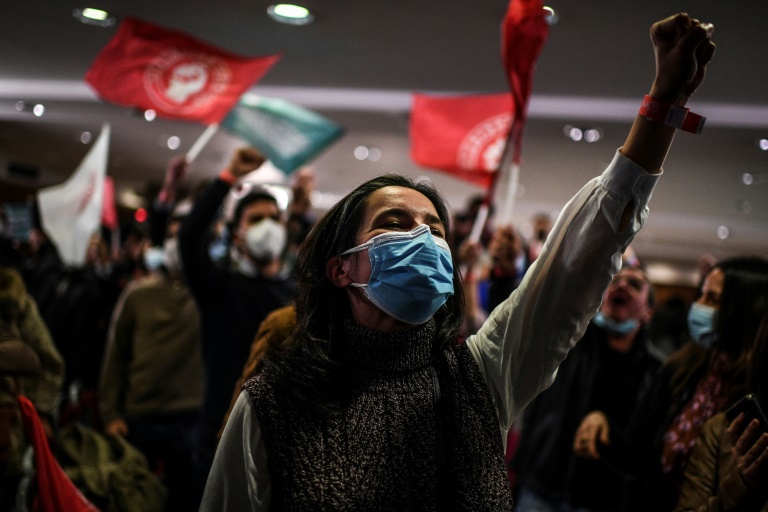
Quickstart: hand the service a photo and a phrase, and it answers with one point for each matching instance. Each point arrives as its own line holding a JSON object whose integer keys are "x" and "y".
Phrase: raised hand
{"x": 683, "y": 47}
{"x": 244, "y": 161}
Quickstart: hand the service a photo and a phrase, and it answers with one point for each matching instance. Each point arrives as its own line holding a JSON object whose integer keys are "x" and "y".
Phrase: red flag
{"x": 147, "y": 66}
{"x": 56, "y": 492}
{"x": 108, "y": 209}
{"x": 461, "y": 135}
{"x": 524, "y": 32}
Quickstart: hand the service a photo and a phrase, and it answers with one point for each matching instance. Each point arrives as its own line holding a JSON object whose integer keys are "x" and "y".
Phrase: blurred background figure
{"x": 509, "y": 263}
{"x": 300, "y": 216}
{"x": 234, "y": 295}
{"x": 609, "y": 368}
{"x": 696, "y": 382}
{"x": 20, "y": 322}
{"x": 77, "y": 314}
{"x": 153, "y": 379}
{"x": 728, "y": 469}
{"x": 463, "y": 221}
{"x": 541, "y": 224}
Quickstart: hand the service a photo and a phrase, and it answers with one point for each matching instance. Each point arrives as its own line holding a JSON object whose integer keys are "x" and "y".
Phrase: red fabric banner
{"x": 147, "y": 66}
{"x": 55, "y": 491}
{"x": 108, "y": 208}
{"x": 461, "y": 135}
{"x": 524, "y": 32}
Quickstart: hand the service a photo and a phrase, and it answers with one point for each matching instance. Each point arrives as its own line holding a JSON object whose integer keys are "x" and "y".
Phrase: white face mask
{"x": 265, "y": 240}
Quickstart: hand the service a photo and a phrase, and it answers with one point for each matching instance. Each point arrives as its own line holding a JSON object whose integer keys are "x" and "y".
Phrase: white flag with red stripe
{"x": 71, "y": 212}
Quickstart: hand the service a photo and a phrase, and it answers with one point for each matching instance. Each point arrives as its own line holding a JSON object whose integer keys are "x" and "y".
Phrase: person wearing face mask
{"x": 696, "y": 382}
{"x": 233, "y": 296}
{"x": 152, "y": 380}
{"x": 728, "y": 468}
{"x": 371, "y": 403}
{"x": 608, "y": 370}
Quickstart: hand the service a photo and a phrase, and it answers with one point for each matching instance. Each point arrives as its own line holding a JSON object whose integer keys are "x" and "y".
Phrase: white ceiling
{"x": 358, "y": 65}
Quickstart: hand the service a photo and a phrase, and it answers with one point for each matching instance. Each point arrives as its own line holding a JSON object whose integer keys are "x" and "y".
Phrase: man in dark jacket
{"x": 233, "y": 296}
{"x": 607, "y": 370}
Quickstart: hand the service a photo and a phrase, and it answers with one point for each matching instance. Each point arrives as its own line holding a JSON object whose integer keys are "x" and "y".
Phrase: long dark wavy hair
{"x": 304, "y": 364}
{"x": 742, "y": 304}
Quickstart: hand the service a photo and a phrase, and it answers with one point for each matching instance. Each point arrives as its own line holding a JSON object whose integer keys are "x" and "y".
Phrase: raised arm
{"x": 524, "y": 341}
{"x": 683, "y": 49}
{"x": 199, "y": 269}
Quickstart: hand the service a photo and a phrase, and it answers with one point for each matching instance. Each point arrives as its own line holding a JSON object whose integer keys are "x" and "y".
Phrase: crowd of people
{"x": 380, "y": 358}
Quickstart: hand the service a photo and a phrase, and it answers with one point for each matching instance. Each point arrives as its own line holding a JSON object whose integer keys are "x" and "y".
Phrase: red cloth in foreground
{"x": 147, "y": 66}
{"x": 55, "y": 491}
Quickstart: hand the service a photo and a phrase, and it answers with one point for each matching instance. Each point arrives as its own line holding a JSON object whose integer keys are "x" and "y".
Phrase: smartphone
{"x": 751, "y": 409}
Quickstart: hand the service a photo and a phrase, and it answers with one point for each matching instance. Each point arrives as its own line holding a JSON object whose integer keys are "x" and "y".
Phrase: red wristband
{"x": 693, "y": 123}
{"x": 681, "y": 118}
{"x": 227, "y": 177}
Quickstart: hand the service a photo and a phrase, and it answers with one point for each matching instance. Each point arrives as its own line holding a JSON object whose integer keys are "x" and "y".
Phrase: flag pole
{"x": 484, "y": 210}
{"x": 201, "y": 141}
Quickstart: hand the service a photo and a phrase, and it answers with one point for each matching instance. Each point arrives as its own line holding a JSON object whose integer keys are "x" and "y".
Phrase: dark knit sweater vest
{"x": 416, "y": 432}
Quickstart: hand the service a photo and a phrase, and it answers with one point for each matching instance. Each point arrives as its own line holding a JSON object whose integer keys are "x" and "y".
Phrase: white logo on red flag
{"x": 148, "y": 66}
{"x": 183, "y": 82}
{"x": 483, "y": 147}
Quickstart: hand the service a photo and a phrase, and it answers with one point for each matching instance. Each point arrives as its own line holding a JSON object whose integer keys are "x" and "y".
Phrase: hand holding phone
{"x": 750, "y": 406}
{"x": 750, "y": 441}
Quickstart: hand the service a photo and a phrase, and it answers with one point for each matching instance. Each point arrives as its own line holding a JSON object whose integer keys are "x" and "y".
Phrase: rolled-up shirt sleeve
{"x": 521, "y": 345}
{"x": 239, "y": 478}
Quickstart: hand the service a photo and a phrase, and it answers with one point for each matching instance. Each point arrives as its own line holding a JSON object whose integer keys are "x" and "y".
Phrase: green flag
{"x": 287, "y": 134}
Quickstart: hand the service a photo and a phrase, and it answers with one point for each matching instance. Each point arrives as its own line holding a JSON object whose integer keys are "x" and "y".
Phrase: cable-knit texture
{"x": 394, "y": 446}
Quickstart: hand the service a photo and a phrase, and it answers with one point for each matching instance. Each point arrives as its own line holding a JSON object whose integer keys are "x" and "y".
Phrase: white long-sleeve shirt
{"x": 519, "y": 347}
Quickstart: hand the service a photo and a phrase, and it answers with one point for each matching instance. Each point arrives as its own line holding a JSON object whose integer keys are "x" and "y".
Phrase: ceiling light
{"x": 95, "y": 14}
{"x": 96, "y": 17}
{"x": 723, "y": 232}
{"x": 592, "y": 135}
{"x": 576, "y": 134}
{"x": 551, "y": 15}
{"x": 174, "y": 142}
{"x": 290, "y": 14}
{"x": 361, "y": 152}
{"x": 38, "y": 109}
{"x": 763, "y": 144}
{"x": 150, "y": 115}
{"x": 747, "y": 178}
{"x": 130, "y": 199}
{"x": 85, "y": 137}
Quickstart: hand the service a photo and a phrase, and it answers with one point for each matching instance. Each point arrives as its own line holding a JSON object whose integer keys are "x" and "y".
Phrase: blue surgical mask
{"x": 411, "y": 274}
{"x": 612, "y": 326}
{"x": 153, "y": 257}
{"x": 701, "y": 324}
